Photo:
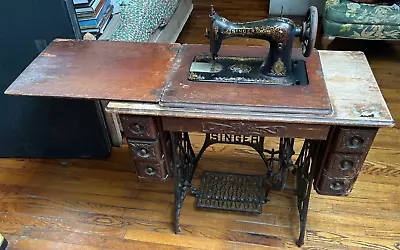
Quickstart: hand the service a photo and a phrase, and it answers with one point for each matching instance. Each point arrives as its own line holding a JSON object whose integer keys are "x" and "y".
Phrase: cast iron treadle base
{"x": 232, "y": 192}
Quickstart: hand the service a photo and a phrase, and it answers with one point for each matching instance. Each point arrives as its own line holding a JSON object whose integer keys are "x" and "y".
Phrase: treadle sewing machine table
{"x": 338, "y": 114}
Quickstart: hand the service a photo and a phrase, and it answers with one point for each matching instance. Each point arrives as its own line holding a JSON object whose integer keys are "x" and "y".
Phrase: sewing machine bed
{"x": 182, "y": 92}
{"x": 158, "y": 73}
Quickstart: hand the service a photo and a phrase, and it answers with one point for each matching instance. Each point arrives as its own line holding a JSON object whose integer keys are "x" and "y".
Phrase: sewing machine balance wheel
{"x": 309, "y": 31}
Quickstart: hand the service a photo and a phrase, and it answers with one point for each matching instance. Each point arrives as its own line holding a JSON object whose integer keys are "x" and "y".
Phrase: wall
{"x": 294, "y": 7}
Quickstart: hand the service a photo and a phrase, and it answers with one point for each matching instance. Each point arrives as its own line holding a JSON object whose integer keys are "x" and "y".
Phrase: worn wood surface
{"x": 98, "y": 70}
{"x": 239, "y": 127}
{"x": 353, "y": 90}
{"x": 180, "y": 92}
{"x": 90, "y": 204}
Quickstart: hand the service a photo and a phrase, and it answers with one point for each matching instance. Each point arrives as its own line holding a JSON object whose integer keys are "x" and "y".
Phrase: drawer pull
{"x": 143, "y": 153}
{"x": 150, "y": 171}
{"x": 137, "y": 129}
{"x": 355, "y": 142}
{"x": 337, "y": 186}
{"x": 346, "y": 165}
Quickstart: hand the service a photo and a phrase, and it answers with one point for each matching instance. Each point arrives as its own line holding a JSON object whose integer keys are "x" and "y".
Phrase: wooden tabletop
{"x": 138, "y": 76}
{"x": 353, "y": 91}
{"x": 102, "y": 70}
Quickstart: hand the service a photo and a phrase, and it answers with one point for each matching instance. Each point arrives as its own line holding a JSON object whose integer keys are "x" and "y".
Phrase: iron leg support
{"x": 177, "y": 182}
{"x": 303, "y": 212}
{"x": 306, "y": 164}
{"x": 183, "y": 158}
{"x": 185, "y": 162}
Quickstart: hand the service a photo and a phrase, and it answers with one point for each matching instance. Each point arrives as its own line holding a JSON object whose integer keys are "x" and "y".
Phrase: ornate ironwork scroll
{"x": 245, "y": 193}
{"x": 278, "y": 167}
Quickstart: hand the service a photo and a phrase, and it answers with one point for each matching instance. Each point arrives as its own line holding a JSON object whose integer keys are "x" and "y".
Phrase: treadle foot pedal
{"x": 232, "y": 192}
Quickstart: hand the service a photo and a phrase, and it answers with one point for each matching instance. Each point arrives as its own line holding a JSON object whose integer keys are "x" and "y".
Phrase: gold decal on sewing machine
{"x": 276, "y": 32}
{"x": 278, "y": 68}
{"x": 216, "y": 32}
{"x": 240, "y": 68}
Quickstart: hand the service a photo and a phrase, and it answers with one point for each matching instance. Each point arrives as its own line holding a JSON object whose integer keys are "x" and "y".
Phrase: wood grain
{"x": 354, "y": 93}
{"x": 98, "y": 70}
{"x": 68, "y": 204}
{"x": 250, "y": 129}
{"x": 180, "y": 92}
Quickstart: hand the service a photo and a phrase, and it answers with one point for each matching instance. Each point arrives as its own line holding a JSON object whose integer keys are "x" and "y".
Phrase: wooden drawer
{"x": 343, "y": 165}
{"x": 151, "y": 170}
{"x": 335, "y": 186}
{"x": 146, "y": 150}
{"x": 350, "y": 140}
{"x": 140, "y": 127}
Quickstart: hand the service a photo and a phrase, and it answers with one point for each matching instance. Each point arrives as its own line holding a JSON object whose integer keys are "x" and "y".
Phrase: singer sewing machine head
{"x": 278, "y": 67}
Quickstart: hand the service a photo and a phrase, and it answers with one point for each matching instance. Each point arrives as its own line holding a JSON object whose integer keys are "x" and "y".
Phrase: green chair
{"x": 347, "y": 19}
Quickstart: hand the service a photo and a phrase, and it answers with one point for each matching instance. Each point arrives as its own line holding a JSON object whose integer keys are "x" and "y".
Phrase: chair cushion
{"x": 141, "y": 18}
{"x": 344, "y": 11}
{"x": 344, "y": 18}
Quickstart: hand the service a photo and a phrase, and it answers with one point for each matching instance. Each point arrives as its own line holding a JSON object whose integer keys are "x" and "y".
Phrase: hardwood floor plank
{"x": 101, "y": 200}
{"x": 61, "y": 224}
{"x": 160, "y": 223}
{"x": 102, "y": 242}
{"x": 210, "y": 232}
{"x": 10, "y": 228}
{"x": 20, "y": 242}
{"x": 350, "y": 241}
{"x": 187, "y": 241}
{"x": 6, "y": 189}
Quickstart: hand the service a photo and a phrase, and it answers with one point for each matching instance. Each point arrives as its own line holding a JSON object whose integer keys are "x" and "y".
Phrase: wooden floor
{"x": 101, "y": 204}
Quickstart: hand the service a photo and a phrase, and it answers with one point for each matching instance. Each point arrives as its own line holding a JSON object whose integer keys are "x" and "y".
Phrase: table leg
{"x": 306, "y": 165}
{"x": 183, "y": 165}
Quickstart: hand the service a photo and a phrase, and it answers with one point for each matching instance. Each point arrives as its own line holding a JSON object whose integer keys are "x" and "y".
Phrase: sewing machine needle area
{"x": 276, "y": 67}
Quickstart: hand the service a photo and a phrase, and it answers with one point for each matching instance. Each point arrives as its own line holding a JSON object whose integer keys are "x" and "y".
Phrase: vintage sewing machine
{"x": 278, "y": 67}
{"x": 275, "y": 73}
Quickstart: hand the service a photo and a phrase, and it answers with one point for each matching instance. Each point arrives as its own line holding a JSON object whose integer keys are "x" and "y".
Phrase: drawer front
{"x": 335, "y": 186}
{"x": 343, "y": 165}
{"x": 140, "y": 127}
{"x": 154, "y": 171}
{"x": 146, "y": 150}
{"x": 354, "y": 140}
